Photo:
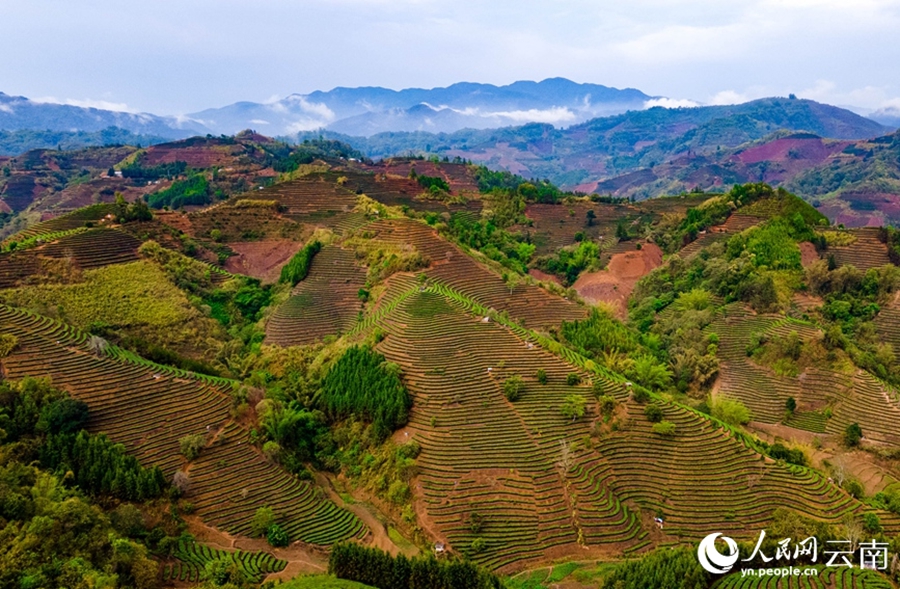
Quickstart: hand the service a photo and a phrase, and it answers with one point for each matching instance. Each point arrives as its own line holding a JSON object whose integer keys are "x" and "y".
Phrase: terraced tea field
{"x": 866, "y": 252}
{"x": 94, "y": 248}
{"x": 315, "y": 193}
{"x": 84, "y": 248}
{"x": 532, "y": 305}
{"x": 542, "y": 490}
{"x": 554, "y": 226}
{"x": 65, "y": 222}
{"x": 484, "y": 454}
{"x": 397, "y": 191}
{"x": 857, "y": 397}
{"x": 325, "y": 303}
{"x": 888, "y": 323}
{"x": 191, "y": 559}
{"x": 827, "y": 578}
{"x": 149, "y": 411}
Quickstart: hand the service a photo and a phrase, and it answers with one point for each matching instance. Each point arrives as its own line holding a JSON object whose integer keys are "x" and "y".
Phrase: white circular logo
{"x": 714, "y": 561}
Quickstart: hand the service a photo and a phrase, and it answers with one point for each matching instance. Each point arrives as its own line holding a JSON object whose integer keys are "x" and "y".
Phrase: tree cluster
{"x": 374, "y": 567}
{"x": 361, "y": 384}
{"x": 298, "y": 267}
{"x": 194, "y": 190}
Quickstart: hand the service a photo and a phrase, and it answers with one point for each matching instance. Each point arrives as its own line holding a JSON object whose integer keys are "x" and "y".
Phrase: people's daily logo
{"x": 714, "y": 561}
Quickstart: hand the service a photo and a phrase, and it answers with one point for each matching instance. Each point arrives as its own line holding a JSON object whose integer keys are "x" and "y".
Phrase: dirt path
{"x": 615, "y": 284}
{"x": 300, "y": 559}
{"x": 380, "y": 537}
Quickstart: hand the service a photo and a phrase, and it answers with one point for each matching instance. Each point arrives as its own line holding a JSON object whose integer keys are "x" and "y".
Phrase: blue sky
{"x": 174, "y": 57}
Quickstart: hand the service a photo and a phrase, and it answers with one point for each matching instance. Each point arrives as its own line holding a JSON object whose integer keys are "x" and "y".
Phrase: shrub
{"x": 181, "y": 482}
{"x": 512, "y": 388}
{"x": 872, "y": 524}
{"x": 263, "y": 519}
{"x": 478, "y": 545}
{"x": 730, "y": 411}
{"x": 298, "y": 267}
{"x": 640, "y": 395}
{"x": 792, "y": 455}
{"x": 277, "y": 537}
{"x": 855, "y": 488}
{"x": 541, "y": 376}
{"x": 191, "y": 445}
{"x": 664, "y": 428}
{"x": 573, "y": 406}
{"x": 8, "y": 343}
{"x": 654, "y": 413}
{"x": 607, "y": 404}
{"x": 852, "y": 435}
{"x": 572, "y": 379}
{"x": 791, "y": 404}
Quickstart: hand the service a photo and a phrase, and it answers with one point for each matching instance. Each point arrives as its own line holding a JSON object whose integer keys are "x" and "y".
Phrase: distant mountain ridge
{"x": 608, "y": 147}
{"x": 369, "y": 110}
{"x": 18, "y": 113}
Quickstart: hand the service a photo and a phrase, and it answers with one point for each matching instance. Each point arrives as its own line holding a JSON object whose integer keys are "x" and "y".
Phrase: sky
{"x": 176, "y": 57}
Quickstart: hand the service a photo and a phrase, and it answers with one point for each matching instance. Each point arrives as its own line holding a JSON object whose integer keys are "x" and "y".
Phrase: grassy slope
{"x": 135, "y": 299}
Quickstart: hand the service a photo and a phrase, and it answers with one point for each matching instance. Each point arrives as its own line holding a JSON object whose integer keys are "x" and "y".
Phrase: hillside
{"x": 399, "y": 354}
{"x": 610, "y": 146}
{"x": 852, "y": 182}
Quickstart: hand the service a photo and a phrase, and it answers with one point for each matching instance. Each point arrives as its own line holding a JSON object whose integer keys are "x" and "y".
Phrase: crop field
{"x": 888, "y": 323}
{"x": 191, "y": 559}
{"x": 531, "y": 304}
{"x": 149, "y": 410}
{"x": 65, "y": 222}
{"x": 197, "y": 152}
{"x": 310, "y": 194}
{"x": 698, "y": 494}
{"x": 458, "y": 176}
{"x": 542, "y": 484}
{"x": 81, "y": 247}
{"x": 677, "y": 205}
{"x": 867, "y": 252}
{"x": 486, "y": 455}
{"x": 852, "y": 398}
{"x": 325, "y": 303}
{"x": 94, "y": 248}
{"x": 237, "y": 223}
{"x": 827, "y": 578}
{"x": 555, "y": 225}
{"x": 399, "y": 191}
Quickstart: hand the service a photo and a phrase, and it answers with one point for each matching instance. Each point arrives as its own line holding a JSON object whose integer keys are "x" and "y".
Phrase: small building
{"x": 439, "y": 548}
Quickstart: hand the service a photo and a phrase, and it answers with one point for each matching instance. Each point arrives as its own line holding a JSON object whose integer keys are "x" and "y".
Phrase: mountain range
{"x": 353, "y": 111}
{"x": 367, "y": 111}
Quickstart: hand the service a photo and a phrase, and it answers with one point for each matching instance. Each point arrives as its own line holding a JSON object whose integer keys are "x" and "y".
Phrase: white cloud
{"x": 319, "y": 109}
{"x": 304, "y": 125}
{"x": 671, "y": 103}
{"x": 87, "y": 103}
{"x": 259, "y": 122}
{"x": 554, "y": 116}
{"x": 6, "y": 108}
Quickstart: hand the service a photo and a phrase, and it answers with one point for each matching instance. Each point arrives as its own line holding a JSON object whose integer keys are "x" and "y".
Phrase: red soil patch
{"x": 792, "y": 148}
{"x": 616, "y": 283}
{"x": 176, "y": 220}
{"x": 808, "y": 254}
{"x": 261, "y": 259}
{"x": 543, "y": 276}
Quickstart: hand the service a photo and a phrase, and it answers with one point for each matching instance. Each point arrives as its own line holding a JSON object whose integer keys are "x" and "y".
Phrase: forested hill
{"x": 607, "y": 147}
